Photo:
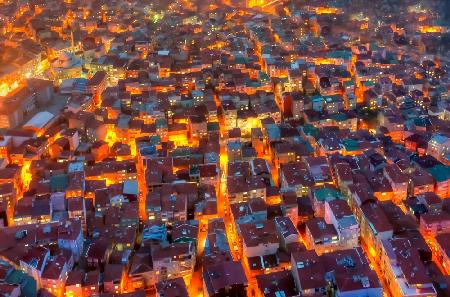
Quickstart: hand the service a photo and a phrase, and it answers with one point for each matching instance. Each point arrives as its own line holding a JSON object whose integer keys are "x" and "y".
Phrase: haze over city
{"x": 224, "y": 148}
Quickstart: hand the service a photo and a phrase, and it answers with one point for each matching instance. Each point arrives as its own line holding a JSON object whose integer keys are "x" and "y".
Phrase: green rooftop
{"x": 350, "y": 144}
{"x": 420, "y": 122}
{"x": 26, "y": 282}
{"x": 349, "y": 83}
{"x": 213, "y": 126}
{"x": 264, "y": 77}
{"x": 240, "y": 60}
{"x": 346, "y": 55}
{"x": 155, "y": 139}
{"x": 440, "y": 173}
{"x": 59, "y": 183}
{"x": 327, "y": 194}
{"x": 252, "y": 83}
{"x": 310, "y": 130}
{"x": 181, "y": 152}
{"x": 194, "y": 170}
{"x": 340, "y": 117}
{"x": 316, "y": 98}
{"x": 161, "y": 123}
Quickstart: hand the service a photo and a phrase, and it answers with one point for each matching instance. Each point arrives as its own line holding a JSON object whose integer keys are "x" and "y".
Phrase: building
{"x": 225, "y": 278}
{"x": 174, "y": 287}
{"x": 175, "y": 260}
{"x": 259, "y": 239}
{"x": 439, "y": 147}
{"x": 339, "y": 214}
{"x": 240, "y": 188}
{"x": 55, "y": 274}
{"x": 403, "y": 269}
{"x": 443, "y": 250}
{"x": 347, "y": 270}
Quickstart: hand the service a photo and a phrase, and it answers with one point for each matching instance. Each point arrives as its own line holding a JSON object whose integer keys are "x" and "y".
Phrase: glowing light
{"x": 26, "y": 175}
{"x": 4, "y": 89}
{"x": 321, "y": 61}
{"x": 326, "y": 10}
{"x": 157, "y": 17}
{"x": 274, "y": 200}
{"x": 372, "y": 251}
{"x": 42, "y": 66}
{"x": 255, "y": 3}
{"x": 133, "y": 149}
{"x": 111, "y": 137}
{"x": 431, "y": 29}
